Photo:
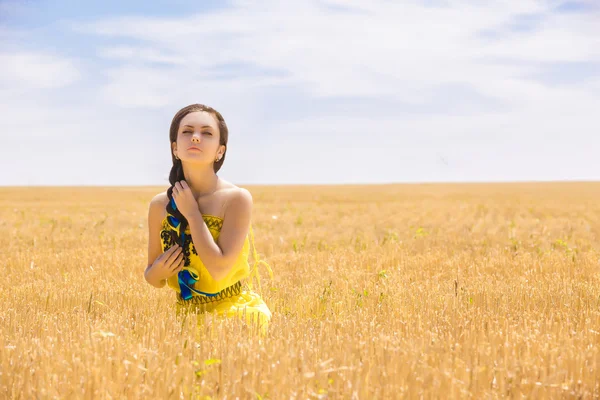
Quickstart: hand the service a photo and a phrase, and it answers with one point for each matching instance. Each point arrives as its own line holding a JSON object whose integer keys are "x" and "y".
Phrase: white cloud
{"x": 139, "y": 54}
{"x": 457, "y": 80}
{"x": 34, "y": 70}
{"x": 387, "y": 48}
{"x": 133, "y": 86}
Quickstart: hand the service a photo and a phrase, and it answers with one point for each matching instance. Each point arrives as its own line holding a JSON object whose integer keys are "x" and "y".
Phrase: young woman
{"x": 198, "y": 229}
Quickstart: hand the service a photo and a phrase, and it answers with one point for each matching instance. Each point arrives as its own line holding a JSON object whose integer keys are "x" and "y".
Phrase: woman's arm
{"x": 220, "y": 257}
{"x": 156, "y": 214}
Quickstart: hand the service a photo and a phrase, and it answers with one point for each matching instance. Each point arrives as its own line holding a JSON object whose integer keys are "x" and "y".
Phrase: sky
{"x": 313, "y": 91}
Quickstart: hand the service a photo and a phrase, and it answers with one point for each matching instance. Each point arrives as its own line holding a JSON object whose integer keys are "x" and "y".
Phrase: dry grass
{"x": 432, "y": 291}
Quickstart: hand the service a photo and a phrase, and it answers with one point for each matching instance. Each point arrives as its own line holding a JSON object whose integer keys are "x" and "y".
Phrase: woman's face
{"x": 198, "y": 139}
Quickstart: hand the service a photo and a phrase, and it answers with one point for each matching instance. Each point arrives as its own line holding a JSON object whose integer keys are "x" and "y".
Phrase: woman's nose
{"x": 196, "y": 137}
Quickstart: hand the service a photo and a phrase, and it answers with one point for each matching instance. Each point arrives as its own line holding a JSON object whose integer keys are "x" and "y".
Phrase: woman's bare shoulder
{"x": 160, "y": 199}
{"x": 226, "y": 185}
{"x": 158, "y": 205}
{"x": 232, "y": 191}
{"x": 236, "y": 198}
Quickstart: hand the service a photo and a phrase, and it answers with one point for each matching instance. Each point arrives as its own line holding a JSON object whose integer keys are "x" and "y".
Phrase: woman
{"x": 198, "y": 229}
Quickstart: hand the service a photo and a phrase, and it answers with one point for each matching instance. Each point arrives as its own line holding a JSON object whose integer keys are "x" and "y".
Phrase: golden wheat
{"x": 390, "y": 291}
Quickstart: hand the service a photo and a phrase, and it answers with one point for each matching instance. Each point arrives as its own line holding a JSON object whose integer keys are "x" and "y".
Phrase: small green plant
{"x": 360, "y": 244}
{"x": 322, "y": 245}
{"x": 207, "y": 364}
{"x": 326, "y": 292}
{"x": 514, "y": 244}
{"x": 297, "y": 245}
{"x": 561, "y": 244}
{"x": 390, "y": 237}
{"x": 360, "y": 296}
{"x": 421, "y": 233}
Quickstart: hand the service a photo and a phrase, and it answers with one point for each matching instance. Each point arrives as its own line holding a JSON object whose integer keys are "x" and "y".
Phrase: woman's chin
{"x": 196, "y": 161}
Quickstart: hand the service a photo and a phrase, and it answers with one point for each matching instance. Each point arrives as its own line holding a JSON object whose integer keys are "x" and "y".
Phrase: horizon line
{"x": 566, "y": 181}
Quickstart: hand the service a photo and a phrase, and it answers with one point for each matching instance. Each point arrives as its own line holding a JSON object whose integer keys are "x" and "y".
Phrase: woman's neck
{"x": 201, "y": 179}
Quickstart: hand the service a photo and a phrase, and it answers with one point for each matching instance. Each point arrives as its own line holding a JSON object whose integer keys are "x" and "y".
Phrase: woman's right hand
{"x": 167, "y": 264}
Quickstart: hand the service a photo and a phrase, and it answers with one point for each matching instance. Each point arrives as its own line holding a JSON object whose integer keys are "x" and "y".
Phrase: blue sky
{"x": 319, "y": 91}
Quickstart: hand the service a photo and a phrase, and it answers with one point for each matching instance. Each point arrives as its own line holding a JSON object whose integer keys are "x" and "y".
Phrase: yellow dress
{"x": 232, "y": 296}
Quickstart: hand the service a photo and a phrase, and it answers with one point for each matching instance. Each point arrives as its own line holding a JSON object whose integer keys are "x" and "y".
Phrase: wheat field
{"x": 476, "y": 291}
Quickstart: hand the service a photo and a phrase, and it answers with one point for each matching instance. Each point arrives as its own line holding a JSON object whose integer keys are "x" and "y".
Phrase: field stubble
{"x": 389, "y": 291}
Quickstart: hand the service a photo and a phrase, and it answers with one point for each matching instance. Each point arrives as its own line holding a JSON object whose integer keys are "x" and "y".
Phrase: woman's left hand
{"x": 184, "y": 199}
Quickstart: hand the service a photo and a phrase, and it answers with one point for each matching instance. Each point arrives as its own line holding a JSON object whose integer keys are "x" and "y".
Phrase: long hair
{"x": 176, "y": 173}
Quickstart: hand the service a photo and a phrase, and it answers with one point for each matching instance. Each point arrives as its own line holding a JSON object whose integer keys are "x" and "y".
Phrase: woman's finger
{"x": 179, "y": 258}
{"x": 172, "y": 256}
{"x": 173, "y": 262}
{"x": 178, "y": 265}
{"x": 165, "y": 255}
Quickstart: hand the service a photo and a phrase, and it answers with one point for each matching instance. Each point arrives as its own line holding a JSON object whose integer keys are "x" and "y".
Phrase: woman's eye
{"x": 208, "y": 133}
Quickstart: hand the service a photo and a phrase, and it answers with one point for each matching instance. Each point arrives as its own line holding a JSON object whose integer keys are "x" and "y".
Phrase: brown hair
{"x": 176, "y": 173}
